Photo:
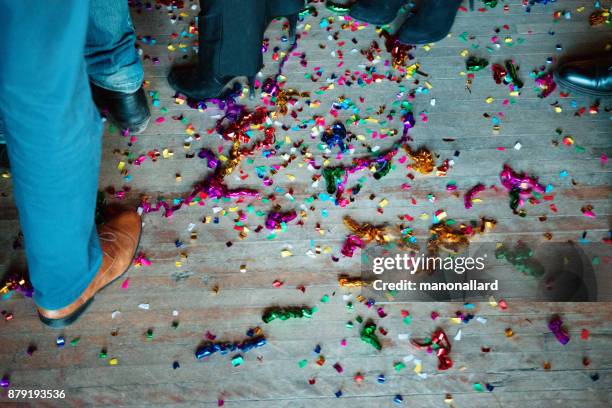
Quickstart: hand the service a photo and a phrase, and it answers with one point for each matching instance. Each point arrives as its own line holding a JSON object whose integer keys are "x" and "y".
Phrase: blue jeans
{"x": 112, "y": 61}
{"x": 50, "y": 50}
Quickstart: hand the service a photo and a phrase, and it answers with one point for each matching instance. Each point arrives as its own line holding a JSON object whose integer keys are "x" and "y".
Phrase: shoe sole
{"x": 564, "y": 84}
{"x": 68, "y": 320}
{"x": 138, "y": 129}
{"x": 225, "y": 90}
{"x": 372, "y": 21}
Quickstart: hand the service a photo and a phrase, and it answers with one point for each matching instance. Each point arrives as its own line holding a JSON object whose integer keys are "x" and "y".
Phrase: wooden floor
{"x": 201, "y": 286}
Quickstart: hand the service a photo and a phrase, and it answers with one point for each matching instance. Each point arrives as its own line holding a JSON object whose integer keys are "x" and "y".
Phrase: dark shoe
{"x": 431, "y": 22}
{"x": 129, "y": 111}
{"x": 4, "y": 162}
{"x": 589, "y": 76}
{"x": 285, "y": 8}
{"x": 119, "y": 239}
{"x": 229, "y": 47}
{"x": 377, "y": 12}
{"x": 190, "y": 81}
{"x": 341, "y": 7}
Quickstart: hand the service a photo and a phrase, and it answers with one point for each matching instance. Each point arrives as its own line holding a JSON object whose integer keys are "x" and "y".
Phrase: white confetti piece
{"x": 458, "y": 335}
{"x": 403, "y": 336}
{"x": 144, "y": 306}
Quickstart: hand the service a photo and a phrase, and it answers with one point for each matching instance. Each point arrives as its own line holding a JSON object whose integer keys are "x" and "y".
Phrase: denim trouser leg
{"x": 53, "y": 136}
{"x": 112, "y": 60}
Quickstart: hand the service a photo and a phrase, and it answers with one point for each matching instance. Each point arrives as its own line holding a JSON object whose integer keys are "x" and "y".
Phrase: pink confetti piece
{"x": 126, "y": 283}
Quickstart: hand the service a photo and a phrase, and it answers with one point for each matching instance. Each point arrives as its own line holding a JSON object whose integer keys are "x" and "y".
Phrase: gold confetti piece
{"x": 465, "y": 53}
{"x": 447, "y": 238}
{"x": 286, "y": 253}
{"x": 121, "y": 165}
{"x": 113, "y": 361}
{"x": 422, "y": 159}
{"x": 366, "y": 231}
{"x": 243, "y": 268}
{"x": 383, "y": 203}
{"x": 178, "y": 264}
{"x": 348, "y": 282}
{"x": 489, "y": 100}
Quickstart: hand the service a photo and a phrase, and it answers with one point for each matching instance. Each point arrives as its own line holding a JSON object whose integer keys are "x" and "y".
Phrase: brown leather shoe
{"x": 119, "y": 239}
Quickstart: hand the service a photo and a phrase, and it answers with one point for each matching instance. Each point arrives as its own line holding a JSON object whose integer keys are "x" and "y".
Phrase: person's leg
{"x": 112, "y": 60}
{"x": 114, "y": 66}
{"x": 53, "y": 134}
{"x": 229, "y": 46}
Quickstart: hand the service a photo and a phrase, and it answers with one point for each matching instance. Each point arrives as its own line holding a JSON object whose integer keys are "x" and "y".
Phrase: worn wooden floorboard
{"x": 452, "y": 122}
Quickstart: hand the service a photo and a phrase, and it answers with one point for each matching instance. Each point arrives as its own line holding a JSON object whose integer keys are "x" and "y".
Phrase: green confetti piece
{"x": 75, "y": 341}
{"x": 302, "y": 363}
{"x": 596, "y": 260}
{"x": 237, "y": 361}
{"x": 399, "y": 366}
{"x": 478, "y": 387}
{"x": 325, "y": 299}
{"x": 349, "y": 325}
{"x": 407, "y": 320}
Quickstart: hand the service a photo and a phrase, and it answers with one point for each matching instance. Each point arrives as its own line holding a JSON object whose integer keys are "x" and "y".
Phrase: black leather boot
{"x": 230, "y": 46}
{"x": 129, "y": 111}
{"x": 587, "y": 76}
{"x": 377, "y": 12}
{"x": 431, "y": 22}
{"x": 285, "y": 8}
